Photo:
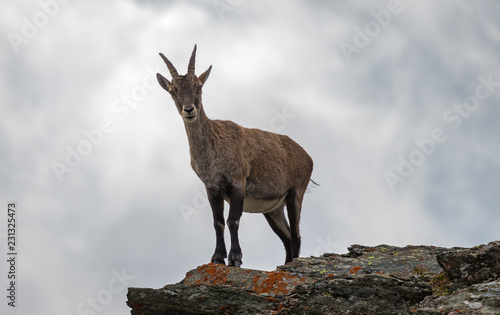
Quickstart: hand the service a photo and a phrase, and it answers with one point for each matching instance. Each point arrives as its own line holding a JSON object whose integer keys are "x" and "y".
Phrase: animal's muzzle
{"x": 189, "y": 113}
{"x": 188, "y": 109}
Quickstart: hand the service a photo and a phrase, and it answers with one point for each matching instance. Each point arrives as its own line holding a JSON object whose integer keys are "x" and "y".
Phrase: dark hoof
{"x": 234, "y": 259}
{"x": 218, "y": 262}
{"x": 234, "y": 263}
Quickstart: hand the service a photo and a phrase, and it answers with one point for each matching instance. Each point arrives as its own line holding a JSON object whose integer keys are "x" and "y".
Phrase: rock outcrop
{"x": 367, "y": 280}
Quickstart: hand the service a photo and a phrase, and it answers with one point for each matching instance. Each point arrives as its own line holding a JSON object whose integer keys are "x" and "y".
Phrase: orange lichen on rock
{"x": 275, "y": 282}
{"x": 210, "y": 274}
{"x": 330, "y": 276}
{"x": 267, "y": 282}
{"x": 355, "y": 270}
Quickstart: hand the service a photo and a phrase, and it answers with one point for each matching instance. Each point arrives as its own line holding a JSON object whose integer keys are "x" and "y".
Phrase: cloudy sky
{"x": 396, "y": 102}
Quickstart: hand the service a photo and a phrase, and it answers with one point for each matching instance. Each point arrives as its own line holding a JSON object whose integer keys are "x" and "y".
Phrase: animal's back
{"x": 276, "y": 163}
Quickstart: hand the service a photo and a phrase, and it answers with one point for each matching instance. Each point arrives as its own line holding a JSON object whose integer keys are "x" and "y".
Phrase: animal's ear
{"x": 163, "y": 82}
{"x": 204, "y": 76}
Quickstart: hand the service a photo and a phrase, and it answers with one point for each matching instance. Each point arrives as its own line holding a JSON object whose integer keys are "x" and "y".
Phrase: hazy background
{"x": 133, "y": 204}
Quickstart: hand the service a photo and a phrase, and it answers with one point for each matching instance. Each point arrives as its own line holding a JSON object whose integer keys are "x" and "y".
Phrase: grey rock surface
{"x": 367, "y": 280}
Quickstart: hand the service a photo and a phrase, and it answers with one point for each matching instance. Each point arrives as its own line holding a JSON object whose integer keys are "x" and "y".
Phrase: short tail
{"x": 311, "y": 186}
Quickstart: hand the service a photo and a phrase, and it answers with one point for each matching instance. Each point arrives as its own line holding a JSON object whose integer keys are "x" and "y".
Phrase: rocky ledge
{"x": 367, "y": 280}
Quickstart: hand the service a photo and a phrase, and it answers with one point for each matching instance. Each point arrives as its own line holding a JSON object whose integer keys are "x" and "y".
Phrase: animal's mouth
{"x": 189, "y": 118}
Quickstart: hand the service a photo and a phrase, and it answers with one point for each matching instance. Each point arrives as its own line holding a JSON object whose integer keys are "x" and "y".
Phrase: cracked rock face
{"x": 481, "y": 298}
{"x": 367, "y": 280}
{"x": 468, "y": 266}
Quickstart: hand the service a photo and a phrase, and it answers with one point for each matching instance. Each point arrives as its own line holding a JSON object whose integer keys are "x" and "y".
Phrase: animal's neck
{"x": 199, "y": 133}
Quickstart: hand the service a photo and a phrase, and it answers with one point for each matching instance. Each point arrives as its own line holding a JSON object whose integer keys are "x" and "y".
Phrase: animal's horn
{"x": 191, "y": 61}
{"x": 170, "y": 66}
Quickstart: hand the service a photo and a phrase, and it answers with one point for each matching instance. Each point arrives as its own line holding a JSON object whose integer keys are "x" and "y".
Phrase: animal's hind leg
{"x": 293, "y": 207}
{"x": 278, "y": 223}
{"x": 237, "y": 198}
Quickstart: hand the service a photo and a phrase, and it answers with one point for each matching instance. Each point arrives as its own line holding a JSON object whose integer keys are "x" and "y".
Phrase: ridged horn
{"x": 191, "y": 61}
{"x": 170, "y": 66}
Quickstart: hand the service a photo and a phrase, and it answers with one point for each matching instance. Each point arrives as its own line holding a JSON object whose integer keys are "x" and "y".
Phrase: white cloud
{"x": 119, "y": 208}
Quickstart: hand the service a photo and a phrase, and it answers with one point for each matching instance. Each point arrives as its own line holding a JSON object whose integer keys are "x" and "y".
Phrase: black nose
{"x": 188, "y": 109}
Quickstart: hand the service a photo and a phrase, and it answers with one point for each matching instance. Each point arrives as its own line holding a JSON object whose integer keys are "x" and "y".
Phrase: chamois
{"x": 253, "y": 170}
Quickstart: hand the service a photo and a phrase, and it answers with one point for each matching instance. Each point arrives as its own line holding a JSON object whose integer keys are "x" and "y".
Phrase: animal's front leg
{"x": 237, "y": 196}
{"x": 217, "y": 204}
